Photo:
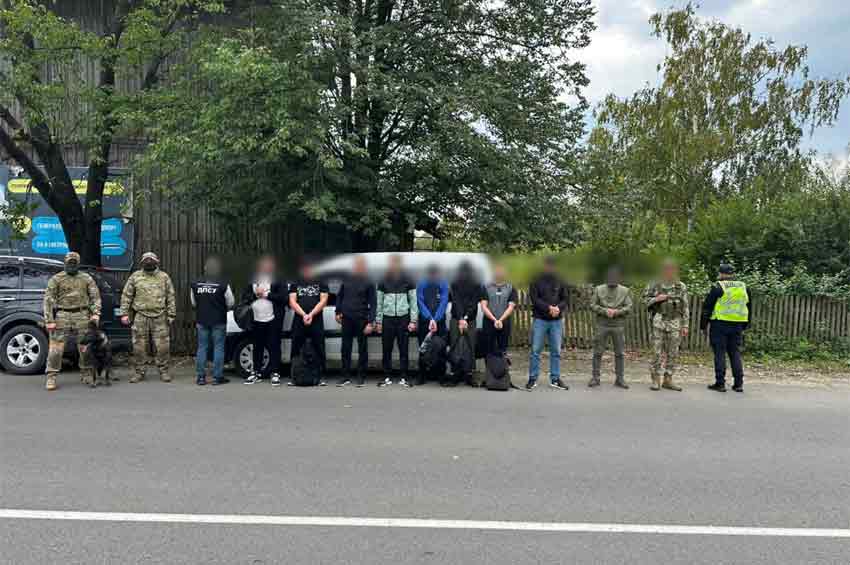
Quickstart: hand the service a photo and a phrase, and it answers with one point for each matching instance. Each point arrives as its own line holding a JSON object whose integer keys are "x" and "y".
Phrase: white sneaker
{"x": 386, "y": 382}
{"x": 252, "y": 378}
{"x": 275, "y": 379}
{"x": 404, "y": 383}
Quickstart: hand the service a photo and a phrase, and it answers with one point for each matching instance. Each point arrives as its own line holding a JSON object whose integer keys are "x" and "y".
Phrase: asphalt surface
{"x": 776, "y": 457}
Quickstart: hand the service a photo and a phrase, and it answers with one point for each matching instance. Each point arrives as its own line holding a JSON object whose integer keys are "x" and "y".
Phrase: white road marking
{"x": 422, "y": 523}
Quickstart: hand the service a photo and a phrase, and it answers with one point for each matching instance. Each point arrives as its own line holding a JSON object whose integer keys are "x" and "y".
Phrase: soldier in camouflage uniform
{"x": 667, "y": 300}
{"x": 148, "y": 303}
{"x": 71, "y": 300}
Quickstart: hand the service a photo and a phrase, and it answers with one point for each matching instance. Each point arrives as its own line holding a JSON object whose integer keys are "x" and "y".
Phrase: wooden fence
{"x": 811, "y": 317}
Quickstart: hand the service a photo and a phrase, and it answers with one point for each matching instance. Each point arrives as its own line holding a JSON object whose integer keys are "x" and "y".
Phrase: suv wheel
{"x": 23, "y": 350}
{"x": 243, "y": 357}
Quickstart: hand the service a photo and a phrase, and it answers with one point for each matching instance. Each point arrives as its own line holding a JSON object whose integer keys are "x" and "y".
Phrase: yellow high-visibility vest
{"x": 732, "y": 306}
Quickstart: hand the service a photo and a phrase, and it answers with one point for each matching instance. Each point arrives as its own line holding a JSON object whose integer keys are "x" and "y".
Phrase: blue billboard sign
{"x": 42, "y": 234}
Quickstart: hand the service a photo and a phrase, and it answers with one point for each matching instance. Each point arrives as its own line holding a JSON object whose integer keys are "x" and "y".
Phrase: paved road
{"x": 775, "y": 457}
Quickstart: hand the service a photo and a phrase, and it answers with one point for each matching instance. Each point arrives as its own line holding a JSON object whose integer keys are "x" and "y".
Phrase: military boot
{"x": 137, "y": 378}
{"x": 656, "y": 383}
{"x": 165, "y": 377}
{"x": 51, "y": 382}
{"x": 88, "y": 377}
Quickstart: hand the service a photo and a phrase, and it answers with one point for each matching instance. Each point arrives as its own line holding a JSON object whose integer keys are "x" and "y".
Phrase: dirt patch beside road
{"x": 575, "y": 367}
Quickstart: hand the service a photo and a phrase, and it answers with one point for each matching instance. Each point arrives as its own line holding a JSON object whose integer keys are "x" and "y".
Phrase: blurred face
{"x": 266, "y": 266}
{"x": 499, "y": 273}
{"x": 434, "y": 273}
{"x": 670, "y": 271}
{"x": 359, "y": 267}
{"x": 213, "y": 267}
{"x": 613, "y": 277}
{"x": 549, "y": 266}
{"x": 394, "y": 267}
{"x": 307, "y": 271}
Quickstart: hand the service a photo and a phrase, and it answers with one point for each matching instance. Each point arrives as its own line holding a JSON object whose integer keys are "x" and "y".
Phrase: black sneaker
{"x": 403, "y": 382}
{"x": 385, "y": 383}
{"x": 275, "y": 379}
{"x": 738, "y": 388}
{"x": 621, "y": 384}
{"x": 361, "y": 382}
{"x": 252, "y": 378}
{"x": 530, "y": 385}
{"x": 559, "y": 384}
{"x": 201, "y": 381}
{"x": 717, "y": 387}
{"x": 345, "y": 381}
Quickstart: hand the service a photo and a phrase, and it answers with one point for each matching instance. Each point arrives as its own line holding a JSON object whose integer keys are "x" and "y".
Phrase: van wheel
{"x": 243, "y": 357}
{"x": 23, "y": 350}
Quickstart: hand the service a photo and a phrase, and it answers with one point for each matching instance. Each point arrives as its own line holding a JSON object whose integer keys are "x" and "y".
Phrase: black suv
{"x": 23, "y": 340}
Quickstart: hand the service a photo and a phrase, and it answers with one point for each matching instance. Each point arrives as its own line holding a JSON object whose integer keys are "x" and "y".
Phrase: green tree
{"x": 47, "y": 104}
{"x": 382, "y": 115}
{"x": 727, "y": 118}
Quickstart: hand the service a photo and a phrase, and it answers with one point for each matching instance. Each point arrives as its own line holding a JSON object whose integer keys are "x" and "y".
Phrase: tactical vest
{"x": 732, "y": 306}
{"x": 210, "y": 302}
{"x": 498, "y": 297}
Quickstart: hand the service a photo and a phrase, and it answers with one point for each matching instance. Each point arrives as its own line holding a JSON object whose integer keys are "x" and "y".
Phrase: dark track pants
{"x": 395, "y": 333}
{"x": 352, "y": 328}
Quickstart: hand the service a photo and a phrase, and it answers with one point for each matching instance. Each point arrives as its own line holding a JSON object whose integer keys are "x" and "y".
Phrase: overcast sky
{"x": 623, "y": 57}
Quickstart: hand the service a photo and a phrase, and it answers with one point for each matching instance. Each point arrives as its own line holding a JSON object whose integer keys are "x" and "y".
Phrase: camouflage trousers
{"x": 68, "y": 325}
{"x": 154, "y": 331}
{"x": 665, "y": 342}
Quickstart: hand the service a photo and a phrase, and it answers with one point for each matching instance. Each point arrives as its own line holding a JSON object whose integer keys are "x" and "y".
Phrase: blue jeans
{"x": 217, "y": 334}
{"x": 553, "y": 331}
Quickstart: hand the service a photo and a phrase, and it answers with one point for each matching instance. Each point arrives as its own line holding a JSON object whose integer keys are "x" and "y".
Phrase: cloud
{"x": 623, "y": 57}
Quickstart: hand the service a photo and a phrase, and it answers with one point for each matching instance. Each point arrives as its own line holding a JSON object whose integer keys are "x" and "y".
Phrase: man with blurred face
{"x": 211, "y": 297}
{"x": 549, "y": 300}
{"x": 612, "y": 303}
{"x": 356, "y": 303}
{"x": 667, "y": 301}
{"x": 432, "y": 298}
{"x": 499, "y": 303}
{"x": 396, "y": 315}
{"x": 308, "y": 298}
{"x": 466, "y": 295}
{"x": 267, "y": 295}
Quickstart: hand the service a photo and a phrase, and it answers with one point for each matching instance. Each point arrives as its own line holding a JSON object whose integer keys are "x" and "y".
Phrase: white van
{"x": 333, "y": 271}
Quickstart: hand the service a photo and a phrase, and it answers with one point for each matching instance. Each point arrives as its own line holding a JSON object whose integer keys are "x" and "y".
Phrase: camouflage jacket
{"x": 149, "y": 294}
{"x": 674, "y": 312}
{"x": 71, "y": 292}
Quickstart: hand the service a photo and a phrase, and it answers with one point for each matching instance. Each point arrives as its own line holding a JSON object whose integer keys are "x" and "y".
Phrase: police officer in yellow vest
{"x": 727, "y": 313}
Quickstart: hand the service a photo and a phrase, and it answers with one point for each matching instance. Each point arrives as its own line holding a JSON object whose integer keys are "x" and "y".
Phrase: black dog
{"x": 96, "y": 345}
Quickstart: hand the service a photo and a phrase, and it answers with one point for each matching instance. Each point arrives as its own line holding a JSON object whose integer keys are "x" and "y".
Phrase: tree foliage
{"x": 48, "y": 102}
{"x": 382, "y": 115}
{"x": 727, "y": 118}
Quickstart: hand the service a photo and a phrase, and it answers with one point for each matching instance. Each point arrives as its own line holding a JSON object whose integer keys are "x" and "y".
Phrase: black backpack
{"x": 462, "y": 358}
{"x": 497, "y": 376}
{"x": 432, "y": 356}
{"x": 307, "y": 366}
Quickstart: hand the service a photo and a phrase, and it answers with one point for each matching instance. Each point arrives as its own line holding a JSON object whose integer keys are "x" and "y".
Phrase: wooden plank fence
{"x": 816, "y": 318}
